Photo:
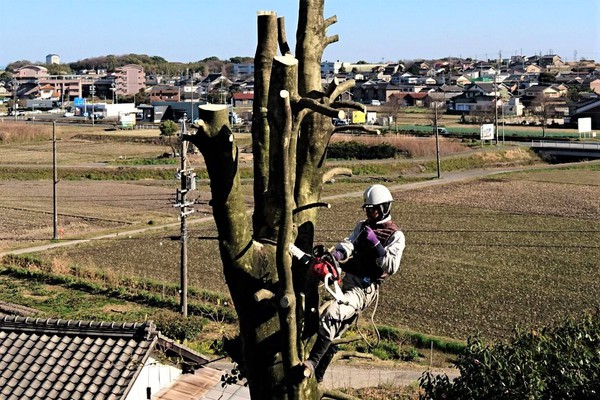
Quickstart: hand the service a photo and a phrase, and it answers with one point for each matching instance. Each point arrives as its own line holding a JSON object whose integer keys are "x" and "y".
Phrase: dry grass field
{"x": 482, "y": 256}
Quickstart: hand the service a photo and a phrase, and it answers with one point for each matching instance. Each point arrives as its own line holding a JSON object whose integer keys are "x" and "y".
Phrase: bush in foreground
{"x": 558, "y": 362}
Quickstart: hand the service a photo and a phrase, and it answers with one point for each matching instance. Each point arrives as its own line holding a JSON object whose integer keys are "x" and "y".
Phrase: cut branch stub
{"x": 215, "y": 141}
{"x": 212, "y": 118}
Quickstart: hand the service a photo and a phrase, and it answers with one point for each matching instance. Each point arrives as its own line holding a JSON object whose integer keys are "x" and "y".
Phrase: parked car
{"x": 339, "y": 122}
{"x": 375, "y": 103}
{"x": 69, "y": 114}
{"x": 442, "y": 131}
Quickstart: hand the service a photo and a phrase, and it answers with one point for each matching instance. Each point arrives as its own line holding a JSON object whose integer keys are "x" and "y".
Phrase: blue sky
{"x": 374, "y": 30}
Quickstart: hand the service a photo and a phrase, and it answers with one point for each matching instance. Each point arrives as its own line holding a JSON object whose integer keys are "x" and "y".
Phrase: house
{"x": 374, "y": 90}
{"x": 595, "y": 85}
{"x": 532, "y": 69}
{"x": 47, "y": 92}
{"x": 546, "y": 91}
{"x": 215, "y": 79}
{"x": 63, "y": 359}
{"x": 513, "y": 107}
{"x": 4, "y": 92}
{"x": 243, "y": 99}
{"x": 473, "y": 104}
{"x": 165, "y": 93}
{"x": 585, "y": 109}
{"x": 461, "y": 80}
{"x": 550, "y": 60}
{"x": 31, "y": 72}
{"x": 409, "y": 99}
{"x": 485, "y": 89}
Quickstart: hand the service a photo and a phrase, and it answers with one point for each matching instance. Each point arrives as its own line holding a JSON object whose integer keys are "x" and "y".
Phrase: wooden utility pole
{"x": 54, "y": 182}
{"x": 496, "y": 104}
{"x": 437, "y": 139}
{"x": 187, "y": 185}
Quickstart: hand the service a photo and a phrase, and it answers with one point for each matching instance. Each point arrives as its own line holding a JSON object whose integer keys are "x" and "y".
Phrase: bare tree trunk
{"x": 273, "y": 295}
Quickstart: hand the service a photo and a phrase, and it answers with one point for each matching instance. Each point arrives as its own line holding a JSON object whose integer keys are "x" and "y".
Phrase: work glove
{"x": 371, "y": 236}
{"x": 374, "y": 240}
{"x": 338, "y": 255}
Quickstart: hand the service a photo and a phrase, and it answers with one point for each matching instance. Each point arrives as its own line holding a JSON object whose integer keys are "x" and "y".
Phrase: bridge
{"x": 567, "y": 149}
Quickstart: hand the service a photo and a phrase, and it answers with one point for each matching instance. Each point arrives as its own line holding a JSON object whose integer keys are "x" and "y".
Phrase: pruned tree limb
{"x": 336, "y": 87}
{"x": 284, "y": 78}
{"x": 349, "y": 104}
{"x": 312, "y": 205}
{"x": 266, "y": 50}
{"x": 331, "y": 39}
{"x": 215, "y": 140}
{"x": 282, "y": 39}
{"x": 330, "y": 21}
{"x": 332, "y": 86}
{"x": 314, "y": 105}
{"x": 263, "y": 294}
{"x": 329, "y": 175}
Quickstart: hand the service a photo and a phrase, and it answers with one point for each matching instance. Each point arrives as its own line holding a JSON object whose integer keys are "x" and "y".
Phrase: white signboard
{"x": 487, "y": 132}
{"x": 584, "y": 124}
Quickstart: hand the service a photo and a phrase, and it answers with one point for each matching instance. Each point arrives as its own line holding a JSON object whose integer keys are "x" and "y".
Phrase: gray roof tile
{"x": 30, "y": 392}
{"x": 60, "y": 359}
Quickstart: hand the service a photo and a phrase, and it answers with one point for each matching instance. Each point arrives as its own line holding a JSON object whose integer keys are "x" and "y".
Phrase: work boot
{"x": 318, "y": 351}
{"x": 324, "y": 363}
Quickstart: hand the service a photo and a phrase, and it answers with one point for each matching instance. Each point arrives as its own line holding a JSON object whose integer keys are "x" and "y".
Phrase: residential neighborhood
{"x": 519, "y": 88}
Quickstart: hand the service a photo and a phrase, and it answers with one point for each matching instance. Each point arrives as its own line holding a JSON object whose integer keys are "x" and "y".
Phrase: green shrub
{"x": 168, "y": 128}
{"x": 180, "y": 328}
{"x": 559, "y": 362}
{"x": 360, "y": 151}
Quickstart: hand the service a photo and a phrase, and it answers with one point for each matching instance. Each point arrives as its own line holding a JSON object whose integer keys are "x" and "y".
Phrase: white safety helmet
{"x": 378, "y": 196}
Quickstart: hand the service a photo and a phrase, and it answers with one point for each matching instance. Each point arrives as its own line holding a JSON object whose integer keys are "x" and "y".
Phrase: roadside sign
{"x": 487, "y": 132}
{"x": 584, "y": 124}
{"x": 78, "y": 101}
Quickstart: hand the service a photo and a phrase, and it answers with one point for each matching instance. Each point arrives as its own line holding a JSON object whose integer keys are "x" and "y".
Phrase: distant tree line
{"x": 151, "y": 64}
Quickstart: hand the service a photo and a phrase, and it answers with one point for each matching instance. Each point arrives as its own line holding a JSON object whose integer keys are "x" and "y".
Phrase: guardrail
{"x": 595, "y": 146}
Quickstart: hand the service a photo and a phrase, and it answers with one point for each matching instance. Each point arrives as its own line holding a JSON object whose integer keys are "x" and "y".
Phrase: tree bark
{"x": 275, "y": 297}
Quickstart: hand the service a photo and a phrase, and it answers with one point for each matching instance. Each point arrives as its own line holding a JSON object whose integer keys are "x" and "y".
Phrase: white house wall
{"x": 155, "y": 376}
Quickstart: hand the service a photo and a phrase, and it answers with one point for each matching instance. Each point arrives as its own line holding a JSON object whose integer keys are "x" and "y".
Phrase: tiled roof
{"x": 243, "y": 96}
{"x": 59, "y": 359}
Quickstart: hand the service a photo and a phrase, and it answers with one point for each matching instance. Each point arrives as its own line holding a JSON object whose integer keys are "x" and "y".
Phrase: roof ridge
{"x": 67, "y": 326}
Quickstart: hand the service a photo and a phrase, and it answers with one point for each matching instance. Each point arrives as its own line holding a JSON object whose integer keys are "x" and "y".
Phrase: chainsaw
{"x": 324, "y": 266}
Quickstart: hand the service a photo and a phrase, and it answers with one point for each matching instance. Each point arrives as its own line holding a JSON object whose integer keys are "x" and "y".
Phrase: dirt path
{"x": 446, "y": 178}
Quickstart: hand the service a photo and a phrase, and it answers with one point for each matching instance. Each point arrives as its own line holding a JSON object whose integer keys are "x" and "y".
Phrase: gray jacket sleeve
{"x": 390, "y": 262}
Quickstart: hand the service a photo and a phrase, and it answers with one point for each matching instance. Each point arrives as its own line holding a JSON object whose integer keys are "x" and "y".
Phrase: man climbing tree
{"x": 275, "y": 297}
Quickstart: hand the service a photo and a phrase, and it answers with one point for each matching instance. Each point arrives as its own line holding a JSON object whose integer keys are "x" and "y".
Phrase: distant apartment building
{"x": 130, "y": 79}
{"x": 332, "y": 68}
{"x": 67, "y": 87}
{"x": 52, "y": 59}
{"x": 243, "y": 69}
